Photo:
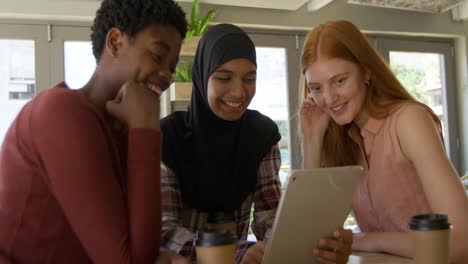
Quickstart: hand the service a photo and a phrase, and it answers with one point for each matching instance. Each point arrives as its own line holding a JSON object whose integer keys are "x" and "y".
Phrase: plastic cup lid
{"x": 429, "y": 222}
{"x": 214, "y": 238}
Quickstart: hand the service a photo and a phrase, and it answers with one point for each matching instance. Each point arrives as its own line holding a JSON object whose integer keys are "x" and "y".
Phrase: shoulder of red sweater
{"x": 59, "y": 96}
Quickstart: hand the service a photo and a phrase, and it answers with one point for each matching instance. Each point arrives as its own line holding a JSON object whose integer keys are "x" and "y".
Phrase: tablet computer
{"x": 314, "y": 204}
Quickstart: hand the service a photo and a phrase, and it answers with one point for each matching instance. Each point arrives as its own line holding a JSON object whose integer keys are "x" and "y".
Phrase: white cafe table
{"x": 376, "y": 258}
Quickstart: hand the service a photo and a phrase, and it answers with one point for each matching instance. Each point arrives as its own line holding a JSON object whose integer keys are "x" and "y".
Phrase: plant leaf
{"x": 176, "y": 75}
{"x": 195, "y": 16}
{"x": 197, "y": 32}
{"x": 205, "y": 21}
{"x": 189, "y": 35}
{"x": 188, "y": 72}
{"x": 186, "y": 77}
{"x": 183, "y": 73}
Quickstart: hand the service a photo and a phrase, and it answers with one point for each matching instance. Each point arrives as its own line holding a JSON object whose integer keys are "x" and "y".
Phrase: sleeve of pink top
{"x": 112, "y": 226}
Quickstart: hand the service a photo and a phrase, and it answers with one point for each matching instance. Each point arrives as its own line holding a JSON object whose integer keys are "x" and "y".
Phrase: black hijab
{"x": 216, "y": 161}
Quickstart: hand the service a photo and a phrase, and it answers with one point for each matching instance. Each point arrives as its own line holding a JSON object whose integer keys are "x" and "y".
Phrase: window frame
{"x": 445, "y": 47}
{"x": 61, "y": 34}
{"x": 37, "y": 33}
{"x": 288, "y": 42}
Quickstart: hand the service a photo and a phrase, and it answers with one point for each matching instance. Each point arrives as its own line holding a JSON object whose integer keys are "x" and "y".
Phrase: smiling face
{"x": 231, "y": 87}
{"x": 149, "y": 57}
{"x": 338, "y": 87}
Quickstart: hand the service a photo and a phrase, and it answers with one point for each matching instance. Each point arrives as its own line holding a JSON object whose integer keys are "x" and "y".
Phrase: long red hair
{"x": 341, "y": 39}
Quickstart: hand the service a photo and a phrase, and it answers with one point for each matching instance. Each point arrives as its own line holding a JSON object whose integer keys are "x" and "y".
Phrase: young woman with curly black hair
{"x": 79, "y": 170}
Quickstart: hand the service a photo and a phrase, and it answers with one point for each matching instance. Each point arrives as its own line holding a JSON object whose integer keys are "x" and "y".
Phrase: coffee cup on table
{"x": 430, "y": 234}
{"x": 215, "y": 247}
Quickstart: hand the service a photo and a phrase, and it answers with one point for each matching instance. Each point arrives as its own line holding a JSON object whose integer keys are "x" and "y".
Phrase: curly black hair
{"x": 133, "y": 16}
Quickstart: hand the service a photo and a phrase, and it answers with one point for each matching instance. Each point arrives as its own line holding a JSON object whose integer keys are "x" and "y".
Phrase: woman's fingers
{"x": 345, "y": 235}
{"x": 325, "y": 255}
{"x": 336, "y": 249}
{"x": 307, "y": 105}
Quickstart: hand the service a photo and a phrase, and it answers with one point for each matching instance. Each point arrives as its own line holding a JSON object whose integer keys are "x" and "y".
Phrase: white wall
{"x": 72, "y": 10}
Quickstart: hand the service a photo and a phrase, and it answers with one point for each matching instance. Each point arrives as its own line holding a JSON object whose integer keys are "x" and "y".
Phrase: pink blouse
{"x": 389, "y": 192}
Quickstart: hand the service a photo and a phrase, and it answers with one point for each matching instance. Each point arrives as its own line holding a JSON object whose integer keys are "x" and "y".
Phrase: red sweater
{"x": 73, "y": 191}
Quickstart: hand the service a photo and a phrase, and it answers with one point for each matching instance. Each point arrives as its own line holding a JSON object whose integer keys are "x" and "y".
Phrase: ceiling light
{"x": 315, "y": 5}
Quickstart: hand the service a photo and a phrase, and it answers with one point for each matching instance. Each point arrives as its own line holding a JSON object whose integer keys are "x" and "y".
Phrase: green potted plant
{"x": 197, "y": 26}
{"x": 181, "y": 89}
{"x": 183, "y": 73}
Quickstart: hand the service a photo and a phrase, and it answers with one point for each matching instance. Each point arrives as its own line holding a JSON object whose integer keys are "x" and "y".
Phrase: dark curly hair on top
{"x": 133, "y": 16}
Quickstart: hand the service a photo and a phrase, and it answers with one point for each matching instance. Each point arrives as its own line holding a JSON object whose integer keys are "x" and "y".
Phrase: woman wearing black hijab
{"x": 220, "y": 158}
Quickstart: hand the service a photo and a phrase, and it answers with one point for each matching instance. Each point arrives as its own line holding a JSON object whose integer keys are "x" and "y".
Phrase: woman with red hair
{"x": 357, "y": 112}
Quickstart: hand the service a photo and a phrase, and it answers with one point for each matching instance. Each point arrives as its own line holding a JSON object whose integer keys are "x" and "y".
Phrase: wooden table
{"x": 376, "y": 258}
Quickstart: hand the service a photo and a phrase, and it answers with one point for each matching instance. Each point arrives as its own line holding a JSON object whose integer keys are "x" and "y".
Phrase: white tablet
{"x": 314, "y": 204}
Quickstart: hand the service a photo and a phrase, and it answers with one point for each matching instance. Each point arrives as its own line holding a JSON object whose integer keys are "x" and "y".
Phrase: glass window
{"x": 426, "y": 68}
{"x": 79, "y": 63}
{"x": 420, "y": 74}
{"x": 271, "y": 97}
{"x": 17, "y": 79}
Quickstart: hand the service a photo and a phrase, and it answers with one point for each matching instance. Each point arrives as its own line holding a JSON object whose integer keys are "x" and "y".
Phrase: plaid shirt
{"x": 180, "y": 223}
